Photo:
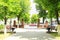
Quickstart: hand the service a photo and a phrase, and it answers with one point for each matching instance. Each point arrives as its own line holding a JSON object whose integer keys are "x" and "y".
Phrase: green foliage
{"x": 25, "y": 17}
{"x": 42, "y": 12}
{"x": 34, "y": 18}
{"x": 54, "y": 34}
{"x": 14, "y": 8}
{"x": 50, "y": 5}
{"x": 1, "y": 26}
{"x": 24, "y": 13}
{"x": 58, "y": 5}
{"x": 59, "y": 13}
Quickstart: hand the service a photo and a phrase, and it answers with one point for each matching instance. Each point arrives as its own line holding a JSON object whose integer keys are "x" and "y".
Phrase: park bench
{"x": 20, "y": 26}
{"x": 50, "y": 28}
{"x": 54, "y": 28}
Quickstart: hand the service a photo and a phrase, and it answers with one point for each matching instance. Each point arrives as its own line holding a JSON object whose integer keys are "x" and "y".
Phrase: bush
{"x": 34, "y": 18}
{"x": 1, "y": 26}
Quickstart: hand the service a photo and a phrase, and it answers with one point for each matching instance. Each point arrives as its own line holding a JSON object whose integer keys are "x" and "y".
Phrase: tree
{"x": 14, "y": 8}
{"x": 42, "y": 12}
{"x": 24, "y": 13}
{"x": 25, "y": 17}
{"x": 19, "y": 7}
{"x": 51, "y": 6}
{"x": 4, "y": 11}
{"x": 34, "y": 18}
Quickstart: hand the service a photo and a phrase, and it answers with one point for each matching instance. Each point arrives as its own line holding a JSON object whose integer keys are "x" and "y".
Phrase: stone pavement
{"x": 30, "y": 34}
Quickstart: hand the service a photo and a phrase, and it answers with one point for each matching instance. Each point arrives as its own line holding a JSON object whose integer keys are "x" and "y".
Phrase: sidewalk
{"x": 31, "y": 34}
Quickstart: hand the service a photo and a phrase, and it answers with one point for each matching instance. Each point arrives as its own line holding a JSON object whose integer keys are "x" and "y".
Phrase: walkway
{"x": 30, "y": 34}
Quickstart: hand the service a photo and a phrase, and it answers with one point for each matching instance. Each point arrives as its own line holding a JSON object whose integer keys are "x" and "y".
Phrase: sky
{"x": 33, "y": 8}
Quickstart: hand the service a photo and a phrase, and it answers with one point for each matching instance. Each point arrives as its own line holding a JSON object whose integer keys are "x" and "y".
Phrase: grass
{"x": 1, "y": 26}
{"x": 55, "y": 34}
{"x": 2, "y": 36}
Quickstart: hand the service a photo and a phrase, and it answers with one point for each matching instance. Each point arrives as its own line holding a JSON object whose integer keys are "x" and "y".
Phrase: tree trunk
{"x": 5, "y": 20}
{"x": 18, "y": 21}
{"x": 18, "y": 18}
{"x": 38, "y": 23}
{"x": 5, "y": 31}
{"x": 10, "y": 23}
{"x": 43, "y": 19}
{"x": 22, "y": 23}
{"x": 51, "y": 21}
{"x": 57, "y": 15}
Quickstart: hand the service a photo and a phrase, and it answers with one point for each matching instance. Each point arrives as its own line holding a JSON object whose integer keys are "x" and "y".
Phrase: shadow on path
{"x": 33, "y": 36}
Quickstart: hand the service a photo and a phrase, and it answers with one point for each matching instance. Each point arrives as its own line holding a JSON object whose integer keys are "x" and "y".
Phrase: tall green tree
{"x": 25, "y": 7}
{"x": 51, "y": 6}
{"x": 14, "y": 8}
{"x": 25, "y": 17}
{"x": 4, "y": 9}
{"x": 42, "y": 12}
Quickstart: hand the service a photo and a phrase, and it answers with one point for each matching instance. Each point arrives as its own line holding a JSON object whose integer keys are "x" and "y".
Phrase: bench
{"x": 54, "y": 28}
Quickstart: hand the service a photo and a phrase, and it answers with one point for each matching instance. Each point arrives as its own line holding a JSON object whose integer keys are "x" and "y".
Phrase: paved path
{"x": 31, "y": 34}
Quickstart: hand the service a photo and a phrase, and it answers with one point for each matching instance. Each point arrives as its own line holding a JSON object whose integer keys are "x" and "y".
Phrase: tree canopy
{"x": 14, "y": 8}
{"x": 34, "y": 18}
{"x": 52, "y": 6}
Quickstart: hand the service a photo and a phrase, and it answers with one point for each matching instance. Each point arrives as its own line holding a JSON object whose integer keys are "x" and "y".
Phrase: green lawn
{"x": 55, "y": 34}
{"x": 1, "y": 26}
